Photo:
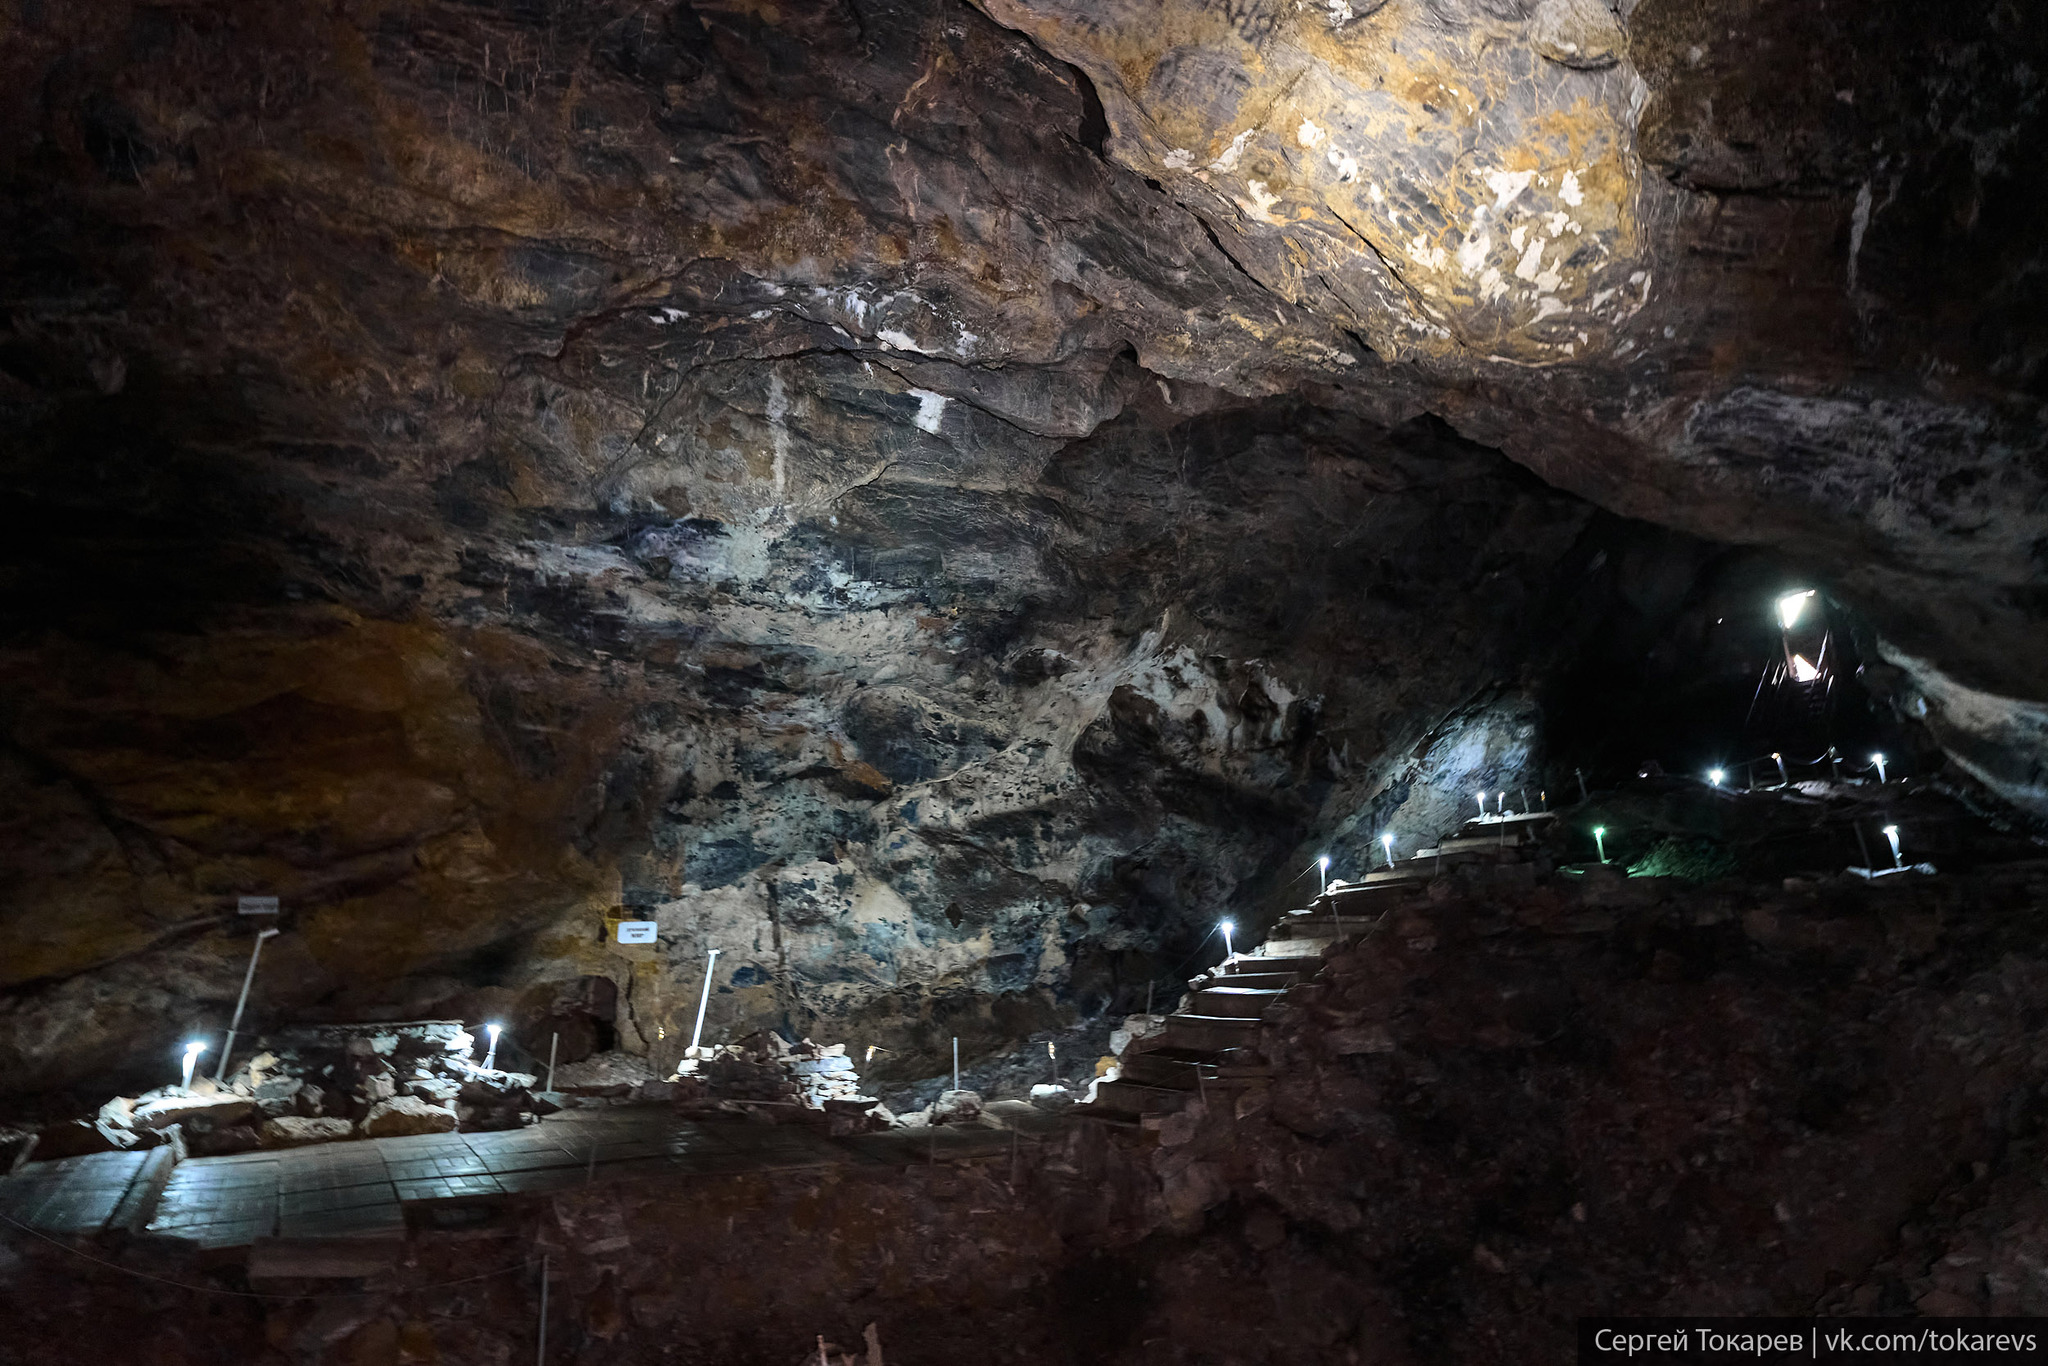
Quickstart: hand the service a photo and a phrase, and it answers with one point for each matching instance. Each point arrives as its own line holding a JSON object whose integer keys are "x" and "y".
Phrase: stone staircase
{"x": 1211, "y": 1043}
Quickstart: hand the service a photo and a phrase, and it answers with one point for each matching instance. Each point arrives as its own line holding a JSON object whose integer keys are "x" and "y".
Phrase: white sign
{"x": 637, "y": 931}
{"x": 256, "y": 905}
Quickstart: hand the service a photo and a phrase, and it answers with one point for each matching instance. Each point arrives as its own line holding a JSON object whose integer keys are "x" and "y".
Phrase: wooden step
{"x": 1302, "y": 965}
{"x": 1134, "y": 1098}
{"x": 1265, "y": 981}
{"x": 1213, "y": 1033}
{"x": 1239, "y": 1002}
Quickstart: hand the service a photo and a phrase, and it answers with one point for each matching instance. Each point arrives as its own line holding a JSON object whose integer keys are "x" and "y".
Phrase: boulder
{"x": 407, "y": 1115}
{"x": 215, "y": 1111}
{"x": 957, "y": 1107}
{"x": 296, "y": 1131}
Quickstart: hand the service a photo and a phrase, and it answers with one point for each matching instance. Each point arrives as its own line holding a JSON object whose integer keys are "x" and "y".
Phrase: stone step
{"x": 1236, "y": 1001}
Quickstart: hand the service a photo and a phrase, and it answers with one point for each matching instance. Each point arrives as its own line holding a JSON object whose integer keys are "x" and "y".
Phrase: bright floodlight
{"x": 1387, "y": 843}
{"x": 1790, "y": 606}
{"x": 1803, "y": 671}
{"x": 1717, "y": 776}
{"x": 1878, "y": 759}
{"x": 1482, "y": 803}
{"x": 1600, "y": 841}
{"x": 1226, "y": 927}
{"x": 491, "y": 1053}
{"x": 192, "y": 1052}
{"x": 1891, "y": 832}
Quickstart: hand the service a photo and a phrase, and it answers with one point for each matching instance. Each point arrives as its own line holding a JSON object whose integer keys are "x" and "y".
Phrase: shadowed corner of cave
{"x": 1019, "y": 681}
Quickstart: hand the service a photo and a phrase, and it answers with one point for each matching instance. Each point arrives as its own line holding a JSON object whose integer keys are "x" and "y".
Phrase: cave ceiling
{"x": 935, "y": 500}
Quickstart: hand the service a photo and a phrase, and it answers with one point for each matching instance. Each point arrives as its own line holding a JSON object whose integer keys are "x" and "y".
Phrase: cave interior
{"x": 1199, "y": 682}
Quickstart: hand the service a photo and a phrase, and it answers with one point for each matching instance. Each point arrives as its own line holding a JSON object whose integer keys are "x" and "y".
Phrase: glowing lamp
{"x": 1322, "y": 874}
{"x": 1878, "y": 759}
{"x": 1784, "y": 779}
{"x": 1482, "y": 803}
{"x": 1501, "y": 805}
{"x": 491, "y": 1053}
{"x": 1891, "y": 832}
{"x": 192, "y": 1052}
{"x": 1717, "y": 776}
{"x": 1803, "y": 671}
{"x": 1387, "y": 843}
{"x": 1226, "y": 927}
{"x": 1600, "y": 841}
{"x": 1791, "y": 606}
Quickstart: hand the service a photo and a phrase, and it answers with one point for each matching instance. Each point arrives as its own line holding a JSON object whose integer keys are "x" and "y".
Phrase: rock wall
{"x": 935, "y": 502}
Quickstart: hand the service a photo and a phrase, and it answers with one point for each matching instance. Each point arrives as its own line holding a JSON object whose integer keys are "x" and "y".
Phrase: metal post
{"x": 221, "y": 1069}
{"x": 540, "y": 1355}
{"x": 956, "y": 1063}
{"x": 1582, "y": 783}
{"x": 697, "y": 1034}
{"x": 553, "y": 1040}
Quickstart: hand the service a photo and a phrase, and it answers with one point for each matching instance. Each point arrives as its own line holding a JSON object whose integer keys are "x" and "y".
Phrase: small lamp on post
{"x": 1878, "y": 759}
{"x": 1891, "y": 832}
{"x": 491, "y": 1053}
{"x": 192, "y": 1051}
{"x": 1226, "y": 927}
{"x": 1387, "y": 843}
{"x": 1600, "y": 841}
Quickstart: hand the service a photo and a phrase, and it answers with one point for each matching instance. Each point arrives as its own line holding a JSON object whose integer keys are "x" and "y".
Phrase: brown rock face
{"x": 936, "y": 503}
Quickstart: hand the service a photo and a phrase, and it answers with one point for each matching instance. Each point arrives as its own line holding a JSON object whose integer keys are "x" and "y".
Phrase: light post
{"x": 697, "y": 1034}
{"x": 491, "y": 1053}
{"x": 1891, "y": 832}
{"x": 1387, "y": 843}
{"x": 1784, "y": 779}
{"x": 1717, "y": 776}
{"x": 1600, "y": 841}
{"x": 1322, "y": 875}
{"x": 1878, "y": 759}
{"x": 234, "y": 1024}
{"x": 1226, "y": 927}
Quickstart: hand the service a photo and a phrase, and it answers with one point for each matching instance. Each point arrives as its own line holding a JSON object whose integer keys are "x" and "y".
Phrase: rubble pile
{"x": 316, "y": 1084}
{"x": 766, "y": 1070}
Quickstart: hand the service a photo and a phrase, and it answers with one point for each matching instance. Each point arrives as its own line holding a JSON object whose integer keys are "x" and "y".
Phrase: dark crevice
{"x": 1094, "y": 132}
